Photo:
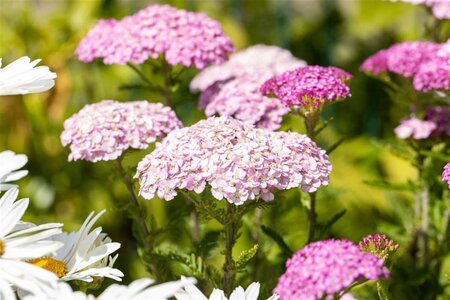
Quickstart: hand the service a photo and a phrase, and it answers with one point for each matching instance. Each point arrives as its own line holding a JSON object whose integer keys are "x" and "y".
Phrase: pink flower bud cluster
{"x": 426, "y": 62}
{"x": 325, "y": 269}
{"x": 104, "y": 130}
{"x": 183, "y": 37}
{"x": 414, "y": 128}
{"x": 232, "y": 88}
{"x": 309, "y": 87}
{"x": 439, "y": 115}
{"x": 379, "y": 245}
{"x": 446, "y": 174}
{"x": 236, "y": 160}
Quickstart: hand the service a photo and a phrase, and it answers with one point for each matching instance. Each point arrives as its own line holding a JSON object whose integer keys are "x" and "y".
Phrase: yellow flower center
{"x": 2, "y": 248}
{"x": 50, "y": 264}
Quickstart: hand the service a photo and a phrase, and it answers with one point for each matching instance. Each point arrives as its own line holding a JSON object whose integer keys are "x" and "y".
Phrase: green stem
{"x": 144, "y": 236}
{"x": 140, "y": 74}
{"x": 422, "y": 205}
{"x": 382, "y": 293}
{"x": 312, "y": 217}
{"x": 230, "y": 231}
{"x": 167, "y": 91}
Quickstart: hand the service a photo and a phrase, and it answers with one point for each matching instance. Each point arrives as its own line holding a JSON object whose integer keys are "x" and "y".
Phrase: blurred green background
{"x": 325, "y": 32}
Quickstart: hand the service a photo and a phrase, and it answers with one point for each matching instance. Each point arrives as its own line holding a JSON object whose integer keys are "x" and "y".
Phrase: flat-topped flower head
{"x": 241, "y": 98}
{"x": 439, "y": 115}
{"x": 23, "y": 77}
{"x": 439, "y": 8}
{"x": 326, "y": 269}
{"x": 379, "y": 245}
{"x": 104, "y": 130}
{"x": 85, "y": 254}
{"x": 309, "y": 87}
{"x": 10, "y": 165}
{"x": 182, "y": 37}
{"x": 264, "y": 60}
{"x": 434, "y": 74}
{"x": 237, "y": 161}
{"x": 415, "y": 128}
{"x": 446, "y": 174}
{"x": 403, "y": 58}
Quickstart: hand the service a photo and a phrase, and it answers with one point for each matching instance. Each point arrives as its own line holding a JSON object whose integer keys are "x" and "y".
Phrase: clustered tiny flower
{"x": 182, "y": 37}
{"x": 379, "y": 245}
{"x": 440, "y": 8}
{"x": 414, "y": 128}
{"x": 439, "y": 115}
{"x": 240, "y": 97}
{"x": 232, "y": 88}
{"x": 446, "y": 174}
{"x": 258, "y": 59}
{"x": 325, "y": 269}
{"x": 238, "y": 162}
{"x": 104, "y": 130}
{"x": 309, "y": 87}
{"x": 427, "y": 63}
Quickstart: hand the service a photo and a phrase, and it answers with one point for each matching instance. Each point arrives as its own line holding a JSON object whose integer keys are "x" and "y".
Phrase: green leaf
{"x": 246, "y": 256}
{"x": 409, "y": 186}
{"x": 278, "y": 239}
{"x": 326, "y": 227}
{"x": 335, "y": 145}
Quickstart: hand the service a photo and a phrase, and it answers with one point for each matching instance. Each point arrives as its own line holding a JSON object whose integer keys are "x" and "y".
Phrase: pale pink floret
{"x": 258, "y": 59}
{"x": 446, "y": 174}
{"x": 237, "y": 161}
{"x": 104, "y": 130}
{"x": 415, "y": 128}
{"x": 325, "y": 269}
{"x": 241, "y": 98}
{"x": 183, "y": 37}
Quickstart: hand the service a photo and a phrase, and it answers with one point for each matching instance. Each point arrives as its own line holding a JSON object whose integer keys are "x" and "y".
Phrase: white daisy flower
{"x": 140, "y": 289}
{"x": 18, "y": 241}
{"x": 191, "y": 292}
{"x": 10, "y": 163}
{"x": 84, "y": 256}
{"x": 22, "y": 77}
{"x": 21, "y": 276}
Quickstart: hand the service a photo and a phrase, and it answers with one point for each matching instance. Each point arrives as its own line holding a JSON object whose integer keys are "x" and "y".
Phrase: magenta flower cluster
{"x": 414, "y": 128}
{"x": 236, "y": 160}
{"x": 379, "y": 245}
{"x": 439, "y": 115}
{"x": 446, "y": 174}
{"x": 325, "y": 269}
{"x": 232, "y": 88}
{"x": 309, "y": 87}
{"x": 104, "y": 130}
{"x": 426, "y": 62}
{"x": 183, "y": 37}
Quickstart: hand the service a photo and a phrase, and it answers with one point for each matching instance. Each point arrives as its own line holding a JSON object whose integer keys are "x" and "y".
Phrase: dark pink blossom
{"x": 446, "y": 174}
{"x": 325, "y": 269}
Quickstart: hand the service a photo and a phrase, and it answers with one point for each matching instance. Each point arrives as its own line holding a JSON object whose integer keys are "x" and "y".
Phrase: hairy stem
{"x": 230, "y": 232}
{"x": 144, "y": 236}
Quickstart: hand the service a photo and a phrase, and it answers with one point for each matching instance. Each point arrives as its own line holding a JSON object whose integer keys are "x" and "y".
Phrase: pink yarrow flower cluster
{"x": 232, "y": 88}
{"x": 183, "y": 37}
{"x": 414, "y": 128}
{"x": 439, "y": 115}
{"x": 309, "y": 87}
{"x": 325, "y": 269}
{"x": 240, "y": 97}
{"x": 446, "y": 174}
{"x": 237, "y": 161}
{"x": 440, "y": 8}
{"x": 104, "y": 130}
{"x": 426, "y": 62}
